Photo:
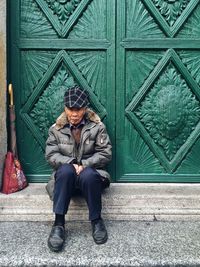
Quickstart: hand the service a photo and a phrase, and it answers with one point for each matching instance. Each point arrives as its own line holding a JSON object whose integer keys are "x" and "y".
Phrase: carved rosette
{"x": 63, "y": 9}
{"x": 50, "y": 104}
{"x": 169, "y": 112}
{"x": 171, "y": 9}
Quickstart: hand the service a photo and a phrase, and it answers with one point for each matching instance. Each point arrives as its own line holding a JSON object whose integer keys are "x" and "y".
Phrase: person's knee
{"x": 89, "y": 176}
{"x": 65, "y": 171}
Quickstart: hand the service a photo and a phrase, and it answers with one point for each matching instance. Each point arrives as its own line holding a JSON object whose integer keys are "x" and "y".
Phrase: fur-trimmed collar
{"x": 62, "y": 119}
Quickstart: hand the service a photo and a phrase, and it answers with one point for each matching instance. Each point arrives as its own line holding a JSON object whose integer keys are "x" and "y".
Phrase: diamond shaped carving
{"x": 63, "y": 14}
{"x": 50, "y": 104}
{"x": 171, "y": 14}
{"x": 166, "y": 111}
{"x": 46, "y": 102}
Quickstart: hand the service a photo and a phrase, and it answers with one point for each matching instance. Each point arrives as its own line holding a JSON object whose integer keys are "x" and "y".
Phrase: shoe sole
{"x": 100, "y": 242}
{"x": 59, "y": 249}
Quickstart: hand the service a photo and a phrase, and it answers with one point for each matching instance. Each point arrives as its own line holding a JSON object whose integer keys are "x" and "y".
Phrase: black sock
{"x": 96, "y": 220}
{"x": 59, "y": 219}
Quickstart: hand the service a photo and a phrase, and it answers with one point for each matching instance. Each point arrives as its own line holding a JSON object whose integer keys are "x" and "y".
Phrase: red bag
{"x": 13, "y": 176}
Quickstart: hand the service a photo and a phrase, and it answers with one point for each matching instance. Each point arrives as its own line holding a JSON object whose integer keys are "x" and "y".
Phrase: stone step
{"x": 122, "y": 201}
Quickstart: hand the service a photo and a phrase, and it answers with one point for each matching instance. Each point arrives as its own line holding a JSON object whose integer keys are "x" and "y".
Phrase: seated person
{"x": 78, "y": 148}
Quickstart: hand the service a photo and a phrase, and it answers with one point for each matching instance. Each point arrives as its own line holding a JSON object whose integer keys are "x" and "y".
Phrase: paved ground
{"x": 130, "y": 244}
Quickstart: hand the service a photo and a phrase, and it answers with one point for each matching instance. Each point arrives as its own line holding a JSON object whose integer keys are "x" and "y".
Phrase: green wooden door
{"x": 55, "y": 44}
{"x": 148, "y": 97}
{"x": 158, "y": 93}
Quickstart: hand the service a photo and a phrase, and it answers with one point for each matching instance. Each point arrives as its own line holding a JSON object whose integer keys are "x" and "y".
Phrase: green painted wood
{"x": 158, "y": 93}
{"x": 156, "y": 44}
{"x": 65, "y": 44}
{"x": 139, "y": 61}
{"x": 50, "y": 52}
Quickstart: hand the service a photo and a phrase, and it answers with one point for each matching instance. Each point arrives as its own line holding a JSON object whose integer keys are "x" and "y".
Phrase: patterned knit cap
{"x": 75, "y": 97}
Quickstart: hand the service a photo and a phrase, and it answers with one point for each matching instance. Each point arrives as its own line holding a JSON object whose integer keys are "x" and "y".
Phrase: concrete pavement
{"x": 130, "y": 243}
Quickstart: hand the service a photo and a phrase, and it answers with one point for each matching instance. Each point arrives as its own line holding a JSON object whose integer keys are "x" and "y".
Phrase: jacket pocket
{"x": 88, "y": 146}
{"x": 66, "y": 149}
{"x": 65, "y": 140}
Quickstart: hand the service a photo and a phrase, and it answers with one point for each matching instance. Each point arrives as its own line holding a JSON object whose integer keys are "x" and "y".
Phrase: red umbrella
{"x": 13, "y": 176}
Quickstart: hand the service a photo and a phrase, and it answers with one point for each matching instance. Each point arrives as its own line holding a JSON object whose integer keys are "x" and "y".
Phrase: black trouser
{"x": 66, "y": 182}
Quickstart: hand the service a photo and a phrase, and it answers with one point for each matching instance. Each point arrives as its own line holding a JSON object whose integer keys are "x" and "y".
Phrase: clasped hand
{"x": 78, "y": 168}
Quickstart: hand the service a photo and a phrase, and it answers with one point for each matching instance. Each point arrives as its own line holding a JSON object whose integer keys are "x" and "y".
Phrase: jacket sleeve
{"x": 103, "y": 150}
{"x": 52, "y": 154}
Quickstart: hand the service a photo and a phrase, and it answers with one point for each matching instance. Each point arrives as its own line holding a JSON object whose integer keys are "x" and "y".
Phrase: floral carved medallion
{"x": 63, "y": 8}
{"x": 169, "y": 112}
{"x": 171, "y": 9}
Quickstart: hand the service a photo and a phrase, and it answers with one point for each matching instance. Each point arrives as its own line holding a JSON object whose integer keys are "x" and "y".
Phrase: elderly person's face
{"x": 75, "y": 115}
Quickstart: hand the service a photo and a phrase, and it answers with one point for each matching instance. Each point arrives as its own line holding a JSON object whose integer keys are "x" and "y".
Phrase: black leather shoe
{"x": 56, "y": 238}
{"x": 99, "y": 232}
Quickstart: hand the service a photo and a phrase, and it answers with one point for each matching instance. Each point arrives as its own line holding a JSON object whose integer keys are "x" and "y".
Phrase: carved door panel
{"x": 55, "y": 44}
{"x": 158, "y": 90}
